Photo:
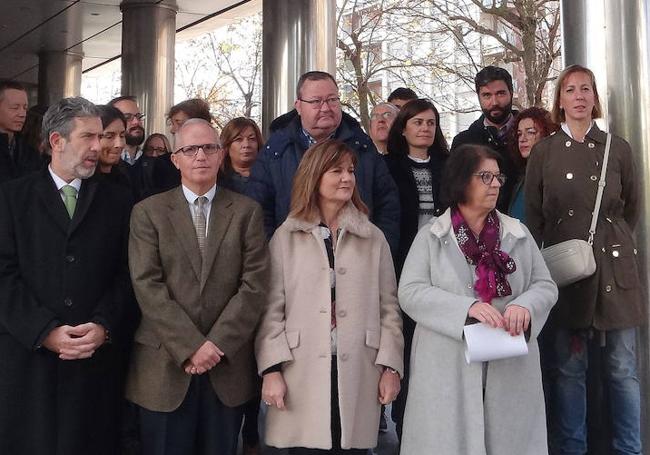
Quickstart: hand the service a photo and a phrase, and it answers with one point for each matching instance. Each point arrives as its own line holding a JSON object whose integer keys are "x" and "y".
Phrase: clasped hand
{"x": 75, "y": 342}
{"x": 515, "y": 320}
{"x": 204, "y": 359}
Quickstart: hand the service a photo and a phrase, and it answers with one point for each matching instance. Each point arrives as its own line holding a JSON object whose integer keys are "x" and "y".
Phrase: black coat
{"x": 24, "y": 161}
{"x": 478, "y": 133}
{"x": 400, "y": 169}
{"x": 272, "y": 175}
{"x": 56, "y": 271}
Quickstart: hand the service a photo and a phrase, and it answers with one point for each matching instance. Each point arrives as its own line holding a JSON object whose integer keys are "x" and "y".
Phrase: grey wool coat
{"x": 448, "y": 412}
{"x": 295, "y": 331}
{"x": 561, "y": 185}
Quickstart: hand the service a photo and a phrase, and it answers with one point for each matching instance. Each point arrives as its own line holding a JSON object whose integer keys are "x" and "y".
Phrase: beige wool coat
{"x": 295, "y": 331}
{"x": 449, "y": 412}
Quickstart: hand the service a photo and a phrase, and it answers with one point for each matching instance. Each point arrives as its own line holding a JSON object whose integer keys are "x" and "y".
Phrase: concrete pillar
{"x": 148, "y": 41}
{"x": 298, "y": 36}
{"x": 59, "y": 76}
{"x": 612, "y": 37}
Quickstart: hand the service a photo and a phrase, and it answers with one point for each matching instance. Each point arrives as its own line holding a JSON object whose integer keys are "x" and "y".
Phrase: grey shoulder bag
{"x": 573, "y": 260}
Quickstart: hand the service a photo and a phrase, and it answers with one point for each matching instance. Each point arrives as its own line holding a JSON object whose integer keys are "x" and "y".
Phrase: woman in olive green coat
{"x": 561, "y": 185}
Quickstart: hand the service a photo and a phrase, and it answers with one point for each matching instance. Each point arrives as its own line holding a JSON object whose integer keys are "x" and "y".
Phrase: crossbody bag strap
{"x": 601, "y": 189}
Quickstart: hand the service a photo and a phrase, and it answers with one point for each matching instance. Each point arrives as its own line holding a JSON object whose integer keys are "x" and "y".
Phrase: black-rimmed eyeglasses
{"x": 487, "y": 177}
{"x": 191, "y": 150}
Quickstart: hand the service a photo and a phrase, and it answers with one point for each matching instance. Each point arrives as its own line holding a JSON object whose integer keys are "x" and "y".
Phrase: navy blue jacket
{"x": 272, "y": 176}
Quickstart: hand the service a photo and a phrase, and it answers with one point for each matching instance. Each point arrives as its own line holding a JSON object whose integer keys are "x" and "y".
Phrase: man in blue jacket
{"x": 320, "y": 117}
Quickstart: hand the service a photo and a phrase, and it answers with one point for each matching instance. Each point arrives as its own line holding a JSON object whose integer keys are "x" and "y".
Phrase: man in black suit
{"x": 64, "y": 286}
{"x": 17, "y": 158}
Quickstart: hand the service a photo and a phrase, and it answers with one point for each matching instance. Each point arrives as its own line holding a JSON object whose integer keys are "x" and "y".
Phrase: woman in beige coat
{"x": 330, "y": 344}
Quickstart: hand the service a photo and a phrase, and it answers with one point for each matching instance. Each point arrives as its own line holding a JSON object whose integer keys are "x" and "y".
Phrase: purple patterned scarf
{"x": 492, "y": 264}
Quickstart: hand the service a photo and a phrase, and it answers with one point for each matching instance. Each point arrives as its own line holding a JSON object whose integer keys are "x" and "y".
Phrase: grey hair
{"x": 195, "y": 122}
{"x": 60, "y": 116}
{"x": 391, "y": 106}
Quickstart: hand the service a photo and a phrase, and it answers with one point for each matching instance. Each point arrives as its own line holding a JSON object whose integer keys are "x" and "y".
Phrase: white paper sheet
{"x": 484, "y": 343}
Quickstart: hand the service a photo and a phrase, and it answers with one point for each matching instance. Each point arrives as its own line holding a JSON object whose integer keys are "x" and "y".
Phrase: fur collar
{"x": 441, "y": 226}
{"x": 351, "y": 220}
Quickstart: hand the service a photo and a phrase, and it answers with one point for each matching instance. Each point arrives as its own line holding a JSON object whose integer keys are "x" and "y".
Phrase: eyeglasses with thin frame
{"x": 138, "y": 116}
{"x": 385, "y": 115}
{"x": 192, "y": 150}
{"x": 332, "y": 101}
{"x": 487, "y": 177}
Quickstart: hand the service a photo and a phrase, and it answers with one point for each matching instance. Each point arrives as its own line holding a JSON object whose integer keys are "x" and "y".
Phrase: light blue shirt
{"x": 191, "y": 197}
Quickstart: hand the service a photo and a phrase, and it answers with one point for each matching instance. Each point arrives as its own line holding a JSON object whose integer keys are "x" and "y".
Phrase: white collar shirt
{"x": 60, "y": 183}
{"x": 126, "y": 157}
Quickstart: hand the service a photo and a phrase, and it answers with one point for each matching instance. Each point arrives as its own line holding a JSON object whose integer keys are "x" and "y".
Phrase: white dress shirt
{"x": 60, "y": 183}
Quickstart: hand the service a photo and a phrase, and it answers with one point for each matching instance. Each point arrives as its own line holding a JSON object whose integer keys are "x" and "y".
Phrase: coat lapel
{"x": 181, "y": 221}
{"x": 53, "y": 202}
{"x": 220, "y": 217}
{"x": 86, "y": 196}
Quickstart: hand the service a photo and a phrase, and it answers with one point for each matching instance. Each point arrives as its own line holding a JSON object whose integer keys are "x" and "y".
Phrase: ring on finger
{"x": 267, "y": 403}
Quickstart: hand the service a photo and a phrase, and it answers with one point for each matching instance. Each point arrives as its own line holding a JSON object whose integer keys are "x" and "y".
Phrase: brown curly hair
{"x": 542, "y": 119}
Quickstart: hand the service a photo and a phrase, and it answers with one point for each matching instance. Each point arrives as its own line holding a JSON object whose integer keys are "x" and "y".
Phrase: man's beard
{"x": 132, "y": 139}
{"x": 502, "y": 115}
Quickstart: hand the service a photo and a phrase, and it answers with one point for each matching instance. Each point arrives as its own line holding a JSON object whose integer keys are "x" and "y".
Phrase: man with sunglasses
{"x": 199, "y": 265}
{"x": 320, "y": 117}
{"x": 494, "y": 90}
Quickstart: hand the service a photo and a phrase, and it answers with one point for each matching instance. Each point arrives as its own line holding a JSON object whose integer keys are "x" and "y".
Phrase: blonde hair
{"x": 557, "y": 113}
{"x": 319, "y": 159}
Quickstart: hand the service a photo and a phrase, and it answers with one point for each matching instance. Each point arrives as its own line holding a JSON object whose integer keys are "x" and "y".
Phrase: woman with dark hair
{"x": 111, "y": 145}
{"x": 529, "y": 127}
{"x": 599, "y": 314}
{"x": 241, "y": 138}
{"x": 156, "y": 145}
{"x": 473, "y": 264}
{"x": 329, "y": 344}
{"x": 417, "y": 152}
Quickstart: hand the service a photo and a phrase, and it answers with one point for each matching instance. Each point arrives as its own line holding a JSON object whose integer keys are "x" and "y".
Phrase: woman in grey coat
{"x": 561, "y": 186}
{"x": 474, "y": 264}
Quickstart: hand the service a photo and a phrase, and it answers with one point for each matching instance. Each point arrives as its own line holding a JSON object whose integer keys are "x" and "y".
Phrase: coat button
{"x": 323, "y": 356}
{"x": 342, "y": 270}
{"x": 67, "y": 302}
{"x": 469, "y": 285}
{"x": 341, "y": 313}
{"x": 69, "y": 258}
{"x": 345, "y": 356}
{"x": 591, "y": 145}
{"x": 570, "y": 212}
{"x": 567, "y": 143}
{"x": 446, "y": 242}
{"x": 634, "y": 250}
{"x": 603, "y": 248}
{"x": 569, "y": 176}
{"x": 593, "y": 178}
{"x": 608, "y": 288}
{"x": 323, "y": 310}
{"x": 615, "y": 253}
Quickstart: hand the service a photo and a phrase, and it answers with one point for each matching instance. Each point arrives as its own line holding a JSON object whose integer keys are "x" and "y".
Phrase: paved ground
{"x": 387, "y": 444}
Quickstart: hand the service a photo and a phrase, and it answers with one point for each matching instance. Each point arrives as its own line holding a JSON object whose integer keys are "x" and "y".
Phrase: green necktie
{"x": 69, "y": 198}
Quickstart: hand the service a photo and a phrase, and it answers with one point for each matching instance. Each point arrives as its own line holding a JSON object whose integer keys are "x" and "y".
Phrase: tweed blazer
{"x": 184, "y": 304}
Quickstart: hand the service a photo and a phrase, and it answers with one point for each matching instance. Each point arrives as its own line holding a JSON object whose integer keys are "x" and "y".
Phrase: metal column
{"x": 148, "y": 41}
{"x": 613, "y": 38}
{"x": 298, "y": 36}
{"x": 59, "y": 76}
